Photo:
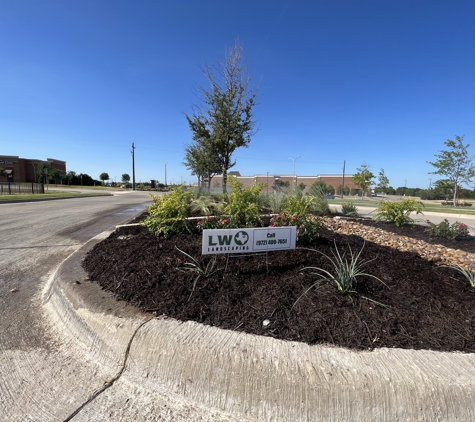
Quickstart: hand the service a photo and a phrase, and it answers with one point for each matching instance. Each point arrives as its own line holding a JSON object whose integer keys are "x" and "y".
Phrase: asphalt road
{"x": 35, "y": 237}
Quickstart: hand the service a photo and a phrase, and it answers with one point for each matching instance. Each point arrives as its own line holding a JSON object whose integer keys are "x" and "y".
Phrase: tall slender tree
{"x": 455, "y": 164}
{"x": 223, "y": 121}
{"x": 383, "y": 181}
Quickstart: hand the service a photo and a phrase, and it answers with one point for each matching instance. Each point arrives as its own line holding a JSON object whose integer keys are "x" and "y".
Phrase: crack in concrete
{"x": 110, "y": 382}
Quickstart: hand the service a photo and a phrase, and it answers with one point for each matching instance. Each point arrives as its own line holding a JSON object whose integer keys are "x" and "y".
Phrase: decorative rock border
{"x": 438, "y": 254}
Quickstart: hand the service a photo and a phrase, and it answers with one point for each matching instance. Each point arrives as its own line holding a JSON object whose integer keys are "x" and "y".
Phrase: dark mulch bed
{"x": 422, "y": 306}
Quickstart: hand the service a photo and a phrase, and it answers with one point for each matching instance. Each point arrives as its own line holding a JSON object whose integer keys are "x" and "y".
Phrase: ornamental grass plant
{"x": 345, "y": 271}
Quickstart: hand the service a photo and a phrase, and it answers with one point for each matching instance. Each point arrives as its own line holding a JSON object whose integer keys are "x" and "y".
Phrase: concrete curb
{"x": 257, "y": 377}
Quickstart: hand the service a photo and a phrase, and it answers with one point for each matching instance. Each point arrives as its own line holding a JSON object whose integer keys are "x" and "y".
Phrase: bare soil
{"x": 420, "y": 305}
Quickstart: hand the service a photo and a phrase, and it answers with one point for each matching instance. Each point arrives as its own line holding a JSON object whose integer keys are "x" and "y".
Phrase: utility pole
{"x": 166, "y": 174}
{"x": 133, "y": 166}
{"x": 343, "y": 180}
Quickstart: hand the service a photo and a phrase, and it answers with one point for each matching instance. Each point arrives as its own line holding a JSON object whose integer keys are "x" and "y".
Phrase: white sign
{"x": 260, "y": 239}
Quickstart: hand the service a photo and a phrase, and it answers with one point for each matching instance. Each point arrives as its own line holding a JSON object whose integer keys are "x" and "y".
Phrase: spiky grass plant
{"x": 469, "y": 274}
{"x": 320, "y": 202}
{"x": 348, "y": 208}
{"x": 345, "y": 271}
{"x": 275, "y": 201}
{"x": 200, "y": 270}
{"x": 205, "y": 204}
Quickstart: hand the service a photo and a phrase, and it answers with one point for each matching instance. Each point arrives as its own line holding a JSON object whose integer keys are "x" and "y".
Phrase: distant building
{"x": 26, "y": 169}
{"x": 271, "y": 180}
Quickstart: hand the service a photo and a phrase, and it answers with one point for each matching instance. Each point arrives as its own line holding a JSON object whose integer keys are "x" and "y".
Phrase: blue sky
{"x": 379, "y": 82}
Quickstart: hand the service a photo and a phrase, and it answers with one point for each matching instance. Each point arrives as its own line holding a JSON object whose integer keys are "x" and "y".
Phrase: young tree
{"x": 43, "y": 171}
{"x": 363, "y": 178}
{"x": 104, "y": 177}
{"x": 54, "y": 174}
{"x": 443, "y": 189}
{"x": 125, "y": 178}
{"x": 455, "y": 164}
{"x": 224, "y": 122}
{"x": 71, "y": 178}
{"x": 383, "y": 182}
{"x": 202, "y": 163}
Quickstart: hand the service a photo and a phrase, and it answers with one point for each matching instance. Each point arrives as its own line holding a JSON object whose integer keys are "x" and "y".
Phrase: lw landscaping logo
{"x": 225, "y": 241}
{"x": 250, "y": 240}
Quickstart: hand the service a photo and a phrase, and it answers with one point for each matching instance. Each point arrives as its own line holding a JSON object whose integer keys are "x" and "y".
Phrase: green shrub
{"x": 348, "y": 208}
{"x": 307, "y": 225}
{"x": 218, "y": 222}
{"x": 299, "y": 205}
{"x": 398, "y": 212}
{"x": 243, "y": 203}
{"x": 168, "y": 213}
{"x": 452, "y": 231}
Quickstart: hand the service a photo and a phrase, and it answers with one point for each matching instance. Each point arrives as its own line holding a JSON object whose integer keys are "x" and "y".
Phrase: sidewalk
{"x": 251, "y": 377}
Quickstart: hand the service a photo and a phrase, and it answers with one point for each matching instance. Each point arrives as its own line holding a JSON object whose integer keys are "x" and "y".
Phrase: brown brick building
{"x": 334, "y": 180}
{"x": 26, "y": 169}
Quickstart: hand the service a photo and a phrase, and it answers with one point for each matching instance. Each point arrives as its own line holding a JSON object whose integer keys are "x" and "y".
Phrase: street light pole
{"x": 293, "y": 159}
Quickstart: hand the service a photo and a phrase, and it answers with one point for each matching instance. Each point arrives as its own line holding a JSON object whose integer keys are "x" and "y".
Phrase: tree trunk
{"x": 225, "y": 176}
{"x": 455, "y": 195}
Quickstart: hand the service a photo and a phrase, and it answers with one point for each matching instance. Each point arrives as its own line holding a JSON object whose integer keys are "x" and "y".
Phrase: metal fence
{"x": 18, "y": 188}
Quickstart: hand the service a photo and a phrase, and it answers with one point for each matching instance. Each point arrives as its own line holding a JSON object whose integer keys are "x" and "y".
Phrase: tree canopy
{"x": 363, "y": 178}
{"x": 202, "y": 162}
{"x": 125, "y": 178}
{"x": 455, "y": 164}
{"x": 223, "y": 121}
{"x": 104, "y": 177}
{"x": 54, "y": 174}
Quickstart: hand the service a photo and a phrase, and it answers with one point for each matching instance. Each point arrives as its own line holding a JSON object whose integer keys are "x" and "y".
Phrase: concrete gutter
{"x": 252, "y": 377}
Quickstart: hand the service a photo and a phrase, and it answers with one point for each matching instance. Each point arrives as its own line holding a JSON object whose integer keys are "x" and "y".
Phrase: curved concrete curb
{"x": 257, "y": 377}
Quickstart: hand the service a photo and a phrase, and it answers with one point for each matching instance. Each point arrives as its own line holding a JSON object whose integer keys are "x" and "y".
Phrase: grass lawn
{"x": 429, "y": 206}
